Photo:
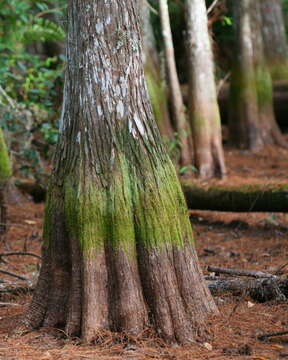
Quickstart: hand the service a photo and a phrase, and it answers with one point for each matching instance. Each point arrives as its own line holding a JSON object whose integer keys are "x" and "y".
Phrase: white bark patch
{"x": 120, "y": 109}
{"x": 99, "y": 110}
{"x": 108, "y": 20}
{"x": 139, "y": 124}
{"x": 99, "y": 27}
{"x": 78, "y": 139}
{"x": 132, "y": 130}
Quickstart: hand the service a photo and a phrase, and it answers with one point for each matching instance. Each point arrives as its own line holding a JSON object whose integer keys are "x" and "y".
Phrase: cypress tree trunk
{"x": 118, "y": 250}
{"x": 5, "y": 174}
{"x": 5, "y": 167}
{"x": 270, "y": 131}
{"x": 203, "y": 107}
{"x": 174, "y": 86}
{"x": 243, "y": 117}
{"x": 155, "y": 83}
{"x": 252, "y": 122}
{"x": 274, "y": 35}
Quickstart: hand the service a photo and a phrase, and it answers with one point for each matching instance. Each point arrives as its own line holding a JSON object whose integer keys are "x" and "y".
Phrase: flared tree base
{"x": 120, "y": 258}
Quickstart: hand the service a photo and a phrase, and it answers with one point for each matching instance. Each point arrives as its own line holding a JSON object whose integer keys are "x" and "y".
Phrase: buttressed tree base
{"x": 118, "y": 250}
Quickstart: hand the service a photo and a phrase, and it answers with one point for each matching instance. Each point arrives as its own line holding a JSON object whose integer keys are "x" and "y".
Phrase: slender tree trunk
{"x": 118, "y": 251}
{"x": 243, "y": 117}
{"x": 274, "y": 35}
{"x": 5, "y": 174}
{"x": 174, "y": 86}
{"x": 269, "y": 128}
{"x": 252, "y": 121}
{"x": 5, "y": 167}
{"x": 203, "y": 107}
{"x": 155, "y": 83}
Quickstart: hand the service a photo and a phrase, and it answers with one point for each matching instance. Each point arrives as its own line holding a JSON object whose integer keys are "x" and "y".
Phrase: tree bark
{"x": 274, "y": 35}
{"x": 118, "y": 252}
{"x": 203, "y": 107}
{"x": 245, "y": 198}
{"x": 174, "y": 86}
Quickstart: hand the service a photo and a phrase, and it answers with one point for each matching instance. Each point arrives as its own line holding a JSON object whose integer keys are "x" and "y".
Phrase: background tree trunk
{"x": 174, "y": 86}
{"x": 252, "y": 122}
{"x": 155, "y": 83}
{"x": 203, "y": 107}
{"x": 270, "y": 132}
{"x": 5, "y": 174}
{"x": 243, "y": 118}
{"x": 274, "y": 35}
{"x": 118, "y": 250}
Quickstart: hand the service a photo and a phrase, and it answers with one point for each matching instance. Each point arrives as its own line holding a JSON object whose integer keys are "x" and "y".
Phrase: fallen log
{"x": 260, "y": 290}
{"x": 244, "y": 198}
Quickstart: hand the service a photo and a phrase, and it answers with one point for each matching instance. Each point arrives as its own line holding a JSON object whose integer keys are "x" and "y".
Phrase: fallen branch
{"x": 13, "y": 275}
{"x": 11, "y": 253}
{"x": 260, "y": 290}
{"x": 239, "y": 272}
{"x": 9, "y": 304}
{"x": 278, "y": 333}
{"x": 17, "y": 289}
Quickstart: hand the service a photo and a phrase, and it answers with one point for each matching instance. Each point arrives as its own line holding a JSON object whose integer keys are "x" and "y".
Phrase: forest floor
{"x": 254, "y": 241}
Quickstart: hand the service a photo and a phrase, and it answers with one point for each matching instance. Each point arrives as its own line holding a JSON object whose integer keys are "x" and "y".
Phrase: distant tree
{"x": 177, "y": 104}
{"x": 275, "y": 41}
{"x": 152, "y": 68}
{"x": 252, "y": 123}
{"x": 203, "y": 107}
{"x": 5, "y": 167}
{"x": 118, "y": 251}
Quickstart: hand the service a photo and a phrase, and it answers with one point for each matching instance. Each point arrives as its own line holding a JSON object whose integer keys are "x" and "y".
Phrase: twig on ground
{"x": 14, "y": 275}
{"x": 277, "y": 333}
{"x": 11, "y": 253}
{"x": 240, "y": 272}
{"x": 280, "y": 268}
{"x": 16, "y": 289}
{"x": 9, "y": 304}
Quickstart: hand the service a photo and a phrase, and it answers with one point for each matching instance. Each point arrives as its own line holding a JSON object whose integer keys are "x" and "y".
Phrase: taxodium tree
{"x": 252, "y": 122}
{"x": 203, "y": 107}
{"x": 5, "y": 167}
{"x": 274, "y": 35}
{"x": 118, "y": 251}
{"x": 152, "y": 68}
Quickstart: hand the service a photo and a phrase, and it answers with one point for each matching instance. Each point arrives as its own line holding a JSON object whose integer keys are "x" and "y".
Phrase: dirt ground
{"x": 255, "y": 241}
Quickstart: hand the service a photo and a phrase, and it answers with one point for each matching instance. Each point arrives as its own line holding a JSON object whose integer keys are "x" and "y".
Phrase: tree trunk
{"x": 118, "y": 252}
{"x": 174, "y": 86}
{"x": 245, "y": 198}
{"x": 252, "y": 122}
{"x": 203, "y": 107}
{"x": 5, "y": 174}
{"x": 243, "y": 117}
{"x": 270, "y": 132}
{"x": 274, "y": 35}
{"x": 155, "y": 83}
